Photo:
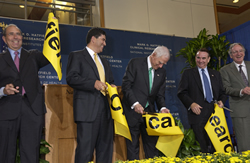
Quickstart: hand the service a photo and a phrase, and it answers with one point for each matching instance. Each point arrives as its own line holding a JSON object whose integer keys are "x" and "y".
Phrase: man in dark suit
{"x": 22, "y": 105}
{"x": 236, "y": 83}
{"x": 198, "y": 99}
{"x": 91, "y": 109}
{"x": 138, "y": 97}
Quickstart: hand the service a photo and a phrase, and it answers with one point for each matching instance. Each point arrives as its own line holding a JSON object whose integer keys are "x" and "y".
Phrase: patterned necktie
{"x": 100, "y": 71}
{"x": 207, "y": 87}
{"x": 243, "y": 75}
{"x": 150, "y": 82}
{"x": 16, "y": 61}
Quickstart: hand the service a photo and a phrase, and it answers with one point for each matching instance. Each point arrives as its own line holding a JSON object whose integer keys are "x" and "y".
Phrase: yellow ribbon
{"x": 170, "y": 134}
{"x": 218, "y": 132}
{"x": 120, "y": 122}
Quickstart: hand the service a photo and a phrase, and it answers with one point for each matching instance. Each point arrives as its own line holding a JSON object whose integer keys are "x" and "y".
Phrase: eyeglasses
{"x": 12, "y": 34}
{"x": 240, "y": 51}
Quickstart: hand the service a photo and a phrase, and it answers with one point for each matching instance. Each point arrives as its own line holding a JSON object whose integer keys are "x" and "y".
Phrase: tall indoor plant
{"x": 216, "y": 45}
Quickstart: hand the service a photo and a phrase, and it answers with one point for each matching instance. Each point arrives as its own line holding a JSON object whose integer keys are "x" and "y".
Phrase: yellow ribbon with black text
{"x": 120, "y": 122}
{"x": 170, "y": 134}
{"x": 218, "y": 132}
{"x": 51, "y": 46}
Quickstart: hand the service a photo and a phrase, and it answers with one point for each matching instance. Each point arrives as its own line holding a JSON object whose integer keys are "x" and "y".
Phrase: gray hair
{"x": 232, "y": 45}
{"x": 161, "y": 50}
{"x": 10, "y": 25}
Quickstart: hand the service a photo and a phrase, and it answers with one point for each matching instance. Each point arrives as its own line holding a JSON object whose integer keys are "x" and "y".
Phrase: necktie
{"x": 243, "y": 75}
{"x": 100, "y": 71}
{"x": 16, "y": 61}
{"x": 150, "y": 78}
{"x": 150, "y": 81}
{"x": 207, "y": 87}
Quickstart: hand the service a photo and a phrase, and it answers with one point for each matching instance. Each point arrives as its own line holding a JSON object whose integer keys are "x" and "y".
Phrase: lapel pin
{"x": 158, "y": 75}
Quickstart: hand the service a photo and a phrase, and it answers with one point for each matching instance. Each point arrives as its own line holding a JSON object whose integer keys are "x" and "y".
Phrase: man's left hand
{"x": 220, "y": 104}
{"x": 165, "y": 111}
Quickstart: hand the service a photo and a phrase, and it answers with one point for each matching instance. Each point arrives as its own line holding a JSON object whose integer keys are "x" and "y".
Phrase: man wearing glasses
{"x": 235, "y": 77}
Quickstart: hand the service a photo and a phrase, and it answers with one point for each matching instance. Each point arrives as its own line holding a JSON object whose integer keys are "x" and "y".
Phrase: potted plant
{"x": 216, "y": 45}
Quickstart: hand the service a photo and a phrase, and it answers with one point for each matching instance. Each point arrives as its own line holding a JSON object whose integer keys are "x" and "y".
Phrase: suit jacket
{"x": 135, "y": 87}
{"x": 190, "y": 90}
{"x": 81, "y": 76}
{"x": 30, "y": 63}
{"x": 233, "y": 83}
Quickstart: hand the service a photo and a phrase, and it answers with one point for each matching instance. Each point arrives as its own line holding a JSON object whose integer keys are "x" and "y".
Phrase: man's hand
{"x": 165, "y": 111}
{"x": 112, "y": 85}
{"x": 220, "y": 104}
{"x": 100, "y": 86}
{"x": 138, "y": 109}
{"x": 196, "y": 108}
{"x": 10, "y": 89}
{"x": 246, "y": 91}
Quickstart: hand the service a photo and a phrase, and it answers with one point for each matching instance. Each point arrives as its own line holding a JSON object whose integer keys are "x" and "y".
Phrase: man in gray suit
{"x": 235, "y": 80}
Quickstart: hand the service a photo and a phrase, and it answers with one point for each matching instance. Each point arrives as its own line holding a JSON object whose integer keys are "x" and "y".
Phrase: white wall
{"x": 183, "y": 18}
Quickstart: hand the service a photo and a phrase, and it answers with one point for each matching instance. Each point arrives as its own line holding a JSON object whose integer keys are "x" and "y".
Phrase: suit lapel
{"x": 157, "y": 75}
{"x": 7, "y": 57}
{"x": 144, "y": 70}
{"x": 197, "y": 79}
{"x": 23, "y": 58}
{"x": 91, "y": 62}
{"x": 236, "y": 73}
{"x": 105, "y": 65}
{"x": 248, "y": 70}
{"x": 214, "y": 82}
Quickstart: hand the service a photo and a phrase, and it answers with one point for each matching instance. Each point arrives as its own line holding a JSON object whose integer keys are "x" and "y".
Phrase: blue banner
{"x": 121, "y": 47}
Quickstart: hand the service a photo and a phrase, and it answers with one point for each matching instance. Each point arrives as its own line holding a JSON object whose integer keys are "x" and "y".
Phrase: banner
{"x": 120, "y": 122}
{"x": 51, "y": 46}
{"x": 170, "y": 134}
{"x": 217, "y": 131}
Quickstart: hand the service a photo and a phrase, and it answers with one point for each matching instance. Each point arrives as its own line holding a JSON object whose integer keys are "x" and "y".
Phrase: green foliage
{"x": 43, "y": 150}
{"x": 217, "y": 46}
{"x": 189, "y": 146}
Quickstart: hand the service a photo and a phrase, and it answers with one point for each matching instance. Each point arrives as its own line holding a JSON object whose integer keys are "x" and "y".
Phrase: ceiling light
{"x": 235, "y": 1}
{"x": 21, "y": 6}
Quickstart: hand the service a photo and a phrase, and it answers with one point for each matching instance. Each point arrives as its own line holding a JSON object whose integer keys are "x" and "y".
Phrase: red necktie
{"x": 16, "y": 61}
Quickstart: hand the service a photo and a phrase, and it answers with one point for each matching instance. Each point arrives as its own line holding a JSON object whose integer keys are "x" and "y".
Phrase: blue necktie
{"x": 207, "y": 87}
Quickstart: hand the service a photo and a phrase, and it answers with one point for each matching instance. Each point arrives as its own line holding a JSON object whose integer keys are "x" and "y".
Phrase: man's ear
{"x": 93, "y": 39}
{"x": 4, "y": 39}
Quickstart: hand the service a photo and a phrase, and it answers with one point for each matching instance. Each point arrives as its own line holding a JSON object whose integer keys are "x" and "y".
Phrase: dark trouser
{"x": 28, "y": 127}
{"x": 199, "y": 130}
{"x": 96, "y": 135}
{"x": 149, "y": 142}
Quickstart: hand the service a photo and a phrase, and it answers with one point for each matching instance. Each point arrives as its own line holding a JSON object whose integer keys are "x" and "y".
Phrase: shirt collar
{"x": 149, "y": 63}
{"x": 237, "y": 65}
{"x": 12, "y": 52}
{"x": 91, "y": 52}
{"x": 202, "y": 68}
